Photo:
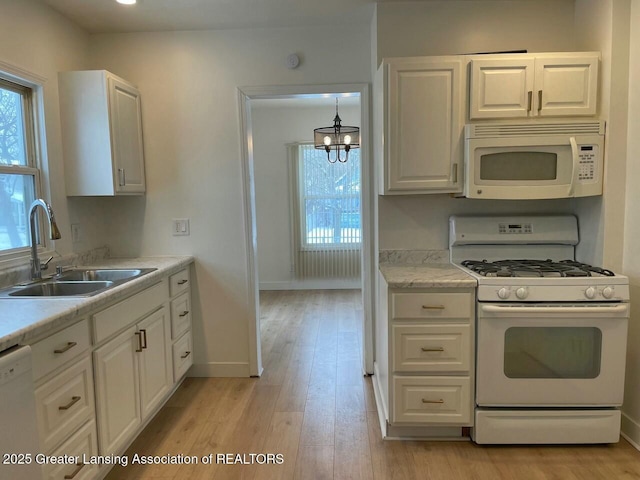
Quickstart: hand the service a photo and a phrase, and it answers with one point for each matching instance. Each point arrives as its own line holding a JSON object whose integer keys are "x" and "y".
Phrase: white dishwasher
{"x": 19, "y": 434}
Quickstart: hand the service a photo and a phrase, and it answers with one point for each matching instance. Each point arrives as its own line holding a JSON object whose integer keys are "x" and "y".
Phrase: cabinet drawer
{"x": 180, "y": 315}
{"x": 82, "y": 444}
{"x": 59, "y": 348}
{"x": 179, "y": 282}
{"x": 436, "y": 400}
{"x": 112, "y": 319}
{"x": 431, "y": 305}
{"x": 431, "y": 348}
{"x": 182, "y": 356}
{"x": 64, "y": 403}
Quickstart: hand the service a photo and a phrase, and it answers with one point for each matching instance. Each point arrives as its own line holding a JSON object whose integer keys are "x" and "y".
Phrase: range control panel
{"x": 515, "y": 228}
{"x": 587, "y": 163}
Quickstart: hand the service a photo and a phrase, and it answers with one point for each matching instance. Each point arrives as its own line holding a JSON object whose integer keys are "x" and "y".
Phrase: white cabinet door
{"x": 502, "y": 88}
{"x": 566, "y": 86}
{"x": 422, "y": 125}
{"x": 101, "y": 123}
{"x": 126, "y": 136}
{"x": 156, "y": 372}
{"x": 117, "y": 390}
{"x": 526, "y": 86}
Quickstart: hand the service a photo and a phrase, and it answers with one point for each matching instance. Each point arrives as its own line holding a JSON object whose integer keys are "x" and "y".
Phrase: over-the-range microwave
{"x": 534, "y": 160}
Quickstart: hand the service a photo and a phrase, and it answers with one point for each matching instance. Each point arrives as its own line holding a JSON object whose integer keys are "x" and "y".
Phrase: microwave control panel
{"x": 587, "y": 168}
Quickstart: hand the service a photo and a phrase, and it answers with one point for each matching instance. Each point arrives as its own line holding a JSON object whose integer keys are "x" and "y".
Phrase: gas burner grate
{"x": 535, "y": 268}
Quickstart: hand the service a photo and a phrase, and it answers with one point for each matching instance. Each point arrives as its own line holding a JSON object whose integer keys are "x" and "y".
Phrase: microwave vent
{"x": 492, "y": 130}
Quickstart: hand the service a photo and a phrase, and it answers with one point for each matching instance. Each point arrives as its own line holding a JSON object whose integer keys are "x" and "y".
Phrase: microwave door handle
{"x": 574, "y": 165}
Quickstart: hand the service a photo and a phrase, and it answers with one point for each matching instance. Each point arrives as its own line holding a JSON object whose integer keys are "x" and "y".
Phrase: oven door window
{"x": 552, "y": 352}
{"x": 517, "y": 166}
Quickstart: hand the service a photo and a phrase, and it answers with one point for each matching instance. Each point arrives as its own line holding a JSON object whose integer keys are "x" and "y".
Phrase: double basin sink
{"x": 80, "y": 282}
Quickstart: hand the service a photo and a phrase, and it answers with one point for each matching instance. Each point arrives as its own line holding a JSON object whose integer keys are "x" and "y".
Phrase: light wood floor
{"x": 313, "y": 406}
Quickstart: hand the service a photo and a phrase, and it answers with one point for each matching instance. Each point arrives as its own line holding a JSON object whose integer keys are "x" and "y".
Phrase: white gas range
{"x": 551, "y": 332}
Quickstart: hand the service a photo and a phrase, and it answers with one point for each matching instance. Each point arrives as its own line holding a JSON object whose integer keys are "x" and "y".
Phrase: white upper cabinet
{"x": 535, "y": 85}
{"x": 101, "y": 124}
{"x": 418, "y": 125}
{"x": 501, "y": 88}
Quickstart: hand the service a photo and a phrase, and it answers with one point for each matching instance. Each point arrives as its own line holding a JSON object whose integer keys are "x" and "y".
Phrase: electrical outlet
{"x": 76, "y": 233}
{"x": 180, "y": 226}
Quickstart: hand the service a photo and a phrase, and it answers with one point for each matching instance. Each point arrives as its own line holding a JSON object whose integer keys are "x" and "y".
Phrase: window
{"x": 329, "y": 200}
{"x": 19, "y": 177}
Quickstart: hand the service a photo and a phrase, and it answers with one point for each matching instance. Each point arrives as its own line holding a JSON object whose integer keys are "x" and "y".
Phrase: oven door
{"x": 551, "y": 355}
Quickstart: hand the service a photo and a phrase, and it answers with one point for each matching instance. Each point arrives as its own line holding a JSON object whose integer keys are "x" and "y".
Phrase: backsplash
{"x": 15, "y": 275}
{"x": 413, "y": 257}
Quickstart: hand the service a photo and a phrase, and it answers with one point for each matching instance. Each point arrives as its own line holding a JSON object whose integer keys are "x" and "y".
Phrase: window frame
{"x": 29, "y": 87}
{"x": 299, "y": 212}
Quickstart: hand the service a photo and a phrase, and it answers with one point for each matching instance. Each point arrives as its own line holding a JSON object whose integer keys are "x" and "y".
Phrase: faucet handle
{"x": 45, "y": 265}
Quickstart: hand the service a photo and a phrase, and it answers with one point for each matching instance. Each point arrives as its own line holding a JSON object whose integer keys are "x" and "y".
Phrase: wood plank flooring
{"x": 313, "y": 406}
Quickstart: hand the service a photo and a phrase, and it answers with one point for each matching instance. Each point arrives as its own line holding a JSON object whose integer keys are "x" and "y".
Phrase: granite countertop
{"x": 426, "y": 275}
{"x": 23, "y": 319}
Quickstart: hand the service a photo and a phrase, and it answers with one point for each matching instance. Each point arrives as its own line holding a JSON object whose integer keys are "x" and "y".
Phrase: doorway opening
{"x": 308, "y": 225}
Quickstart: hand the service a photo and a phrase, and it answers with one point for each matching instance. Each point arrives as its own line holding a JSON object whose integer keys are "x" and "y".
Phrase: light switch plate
{"x": 180, "y": 226}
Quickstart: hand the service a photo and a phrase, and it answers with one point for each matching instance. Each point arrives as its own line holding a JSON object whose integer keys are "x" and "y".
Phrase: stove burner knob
{"x": 590, "y": 292}
{"x": 504, "y": 293}
{"x": 607, "y": 292}
{"x": 522, "y": 293}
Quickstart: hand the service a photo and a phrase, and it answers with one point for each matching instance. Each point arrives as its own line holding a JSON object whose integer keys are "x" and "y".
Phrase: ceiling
{"x": 316, "y": 100}
{"x": 101, "y": 16}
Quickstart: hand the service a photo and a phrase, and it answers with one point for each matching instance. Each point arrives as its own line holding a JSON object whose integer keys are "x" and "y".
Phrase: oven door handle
{"x": 621, "y": 308}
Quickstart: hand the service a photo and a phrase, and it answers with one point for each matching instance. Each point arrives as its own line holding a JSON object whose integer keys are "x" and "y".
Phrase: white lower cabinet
{"x": 117, "y": 390}
{"x": 133, "y": 376}
{"x": 181, "y": 323}
{"x": 424, "y": 368}
{"x": 65, "y": 402}
{"x": 84, "y": 445}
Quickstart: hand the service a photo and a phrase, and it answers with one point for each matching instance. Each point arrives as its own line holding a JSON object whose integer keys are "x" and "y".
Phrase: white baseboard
{"x": 219, "y": 369}
{"x": 323, "y": 284}
{"x": 630, "y": 431}
{"x": 381, "y": 406}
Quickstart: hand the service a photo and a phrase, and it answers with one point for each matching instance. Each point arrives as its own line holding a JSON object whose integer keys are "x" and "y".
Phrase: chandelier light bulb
{"x": 347, "y": 139}
{"x": 327, "y": 140}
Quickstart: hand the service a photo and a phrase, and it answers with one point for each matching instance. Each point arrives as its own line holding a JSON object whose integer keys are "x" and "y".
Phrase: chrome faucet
{"x": 54, "y": 234}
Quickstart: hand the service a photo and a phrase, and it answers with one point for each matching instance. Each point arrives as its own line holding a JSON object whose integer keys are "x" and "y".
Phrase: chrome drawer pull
{"x": 184, "y": 314}
{"x": 69, "y": 346}
{"x": 182, "y": 282}
{"x": 433, "y": 307}
{"x": 437, "y": 349}
{"x": 75, "y": 472}
{"x": 424, "y": 400}
{"x": 186, "y": 354}
{"x": 73, "y": 401}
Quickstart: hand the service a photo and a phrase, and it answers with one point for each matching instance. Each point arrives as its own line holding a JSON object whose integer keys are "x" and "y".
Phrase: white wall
{"x": 603, "y": 25}
{"x": 631, "y": 259}
{"x": 449, "y": 27}
{"x": 188, "y": 82}
{"x": 454, "y": 27}
{"x": 35, "y": 38}
{"x": 273, "y": 129}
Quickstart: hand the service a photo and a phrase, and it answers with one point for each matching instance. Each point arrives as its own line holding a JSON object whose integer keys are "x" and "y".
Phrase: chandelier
{"x": 336, "y": 138}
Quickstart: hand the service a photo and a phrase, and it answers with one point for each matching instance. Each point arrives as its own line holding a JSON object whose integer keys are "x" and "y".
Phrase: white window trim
{"x": 21, "y": 256}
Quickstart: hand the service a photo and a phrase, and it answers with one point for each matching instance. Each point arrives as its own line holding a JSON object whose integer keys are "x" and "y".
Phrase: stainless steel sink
{"x": 78, "y": 282}
{"x": 60, "y": 289}
{"x": 102, "y": 274}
